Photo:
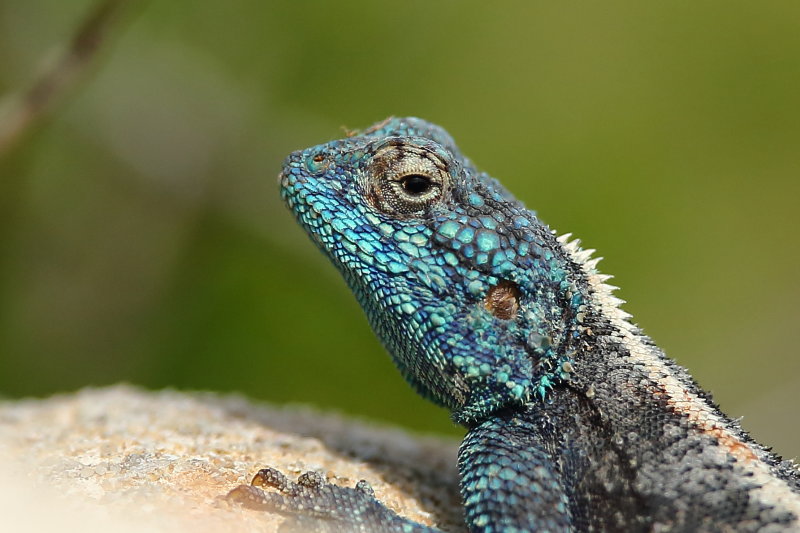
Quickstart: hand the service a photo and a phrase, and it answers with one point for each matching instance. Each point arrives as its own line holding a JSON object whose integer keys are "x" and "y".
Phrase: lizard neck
{"x": 645, "y": 401}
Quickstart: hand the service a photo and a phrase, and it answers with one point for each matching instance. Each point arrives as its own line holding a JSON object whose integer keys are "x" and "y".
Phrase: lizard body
{"x": 576, "y": 420}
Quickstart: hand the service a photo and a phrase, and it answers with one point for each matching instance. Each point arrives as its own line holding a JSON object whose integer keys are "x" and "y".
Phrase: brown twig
{"x": 20, "y": 111}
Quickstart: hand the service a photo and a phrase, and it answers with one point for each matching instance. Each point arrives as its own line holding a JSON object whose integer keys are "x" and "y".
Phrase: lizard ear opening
{"x": 502, "y": 300}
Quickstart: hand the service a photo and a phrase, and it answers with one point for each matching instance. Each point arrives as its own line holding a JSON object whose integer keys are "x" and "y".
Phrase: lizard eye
{"x": 406, "y": 180}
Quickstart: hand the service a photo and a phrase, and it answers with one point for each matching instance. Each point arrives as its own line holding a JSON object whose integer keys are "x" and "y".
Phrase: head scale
{"x": 468, "y": 291}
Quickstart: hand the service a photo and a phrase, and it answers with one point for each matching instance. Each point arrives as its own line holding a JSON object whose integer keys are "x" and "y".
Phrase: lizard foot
{"x": 312, "y": 504}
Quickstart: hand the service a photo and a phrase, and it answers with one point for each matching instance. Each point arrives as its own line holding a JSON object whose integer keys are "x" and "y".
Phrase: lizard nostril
{"x": 316, "y": 163}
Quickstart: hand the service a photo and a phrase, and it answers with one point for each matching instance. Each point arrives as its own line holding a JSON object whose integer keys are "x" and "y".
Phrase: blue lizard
{"x": 576, "y": 421}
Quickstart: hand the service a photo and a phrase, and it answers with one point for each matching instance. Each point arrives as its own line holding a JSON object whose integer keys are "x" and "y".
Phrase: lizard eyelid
{"x": 405, "y": 179}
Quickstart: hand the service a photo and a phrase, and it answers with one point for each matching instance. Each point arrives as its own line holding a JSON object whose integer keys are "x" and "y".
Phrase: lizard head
{"x": 471, "y": 294}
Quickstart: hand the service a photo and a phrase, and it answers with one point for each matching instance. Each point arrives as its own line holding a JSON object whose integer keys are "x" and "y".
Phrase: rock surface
{"x": 134, "y": 460}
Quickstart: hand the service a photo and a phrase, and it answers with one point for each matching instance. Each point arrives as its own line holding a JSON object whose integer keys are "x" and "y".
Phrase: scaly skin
{"x": 576, "y": 421}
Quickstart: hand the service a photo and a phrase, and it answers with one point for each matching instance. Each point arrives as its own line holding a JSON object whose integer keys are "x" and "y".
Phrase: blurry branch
{"x": 20, "y": 111}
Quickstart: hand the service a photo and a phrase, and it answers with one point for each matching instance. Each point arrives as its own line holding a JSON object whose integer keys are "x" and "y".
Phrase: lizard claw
{"x": 253, "y": 498}
{"x": 271, "y": 478}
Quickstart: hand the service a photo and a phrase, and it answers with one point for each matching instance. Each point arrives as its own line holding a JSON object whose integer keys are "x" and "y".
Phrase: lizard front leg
{"x": 509, "y": 483}
{"x": 311, "y": 504}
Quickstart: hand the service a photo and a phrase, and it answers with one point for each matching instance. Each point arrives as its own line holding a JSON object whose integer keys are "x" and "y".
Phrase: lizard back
{"x": 487, "y": 312}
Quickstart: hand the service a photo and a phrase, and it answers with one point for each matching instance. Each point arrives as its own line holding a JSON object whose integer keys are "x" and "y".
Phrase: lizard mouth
{"x": 285, "y": 183}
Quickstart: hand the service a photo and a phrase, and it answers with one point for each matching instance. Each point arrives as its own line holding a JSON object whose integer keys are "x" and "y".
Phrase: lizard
{"x": 575, "y": 420}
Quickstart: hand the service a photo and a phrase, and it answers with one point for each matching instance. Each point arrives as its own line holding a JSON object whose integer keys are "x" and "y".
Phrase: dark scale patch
{"x": 502, "y": 300}
{"x": 672, "y": 472}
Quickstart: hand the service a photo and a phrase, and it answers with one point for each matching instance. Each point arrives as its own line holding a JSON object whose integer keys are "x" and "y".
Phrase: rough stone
{"x": 135, "y": 460}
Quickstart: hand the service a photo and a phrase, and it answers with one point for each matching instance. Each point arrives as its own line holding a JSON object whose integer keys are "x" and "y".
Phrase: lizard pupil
{"x": 416, "y": 184}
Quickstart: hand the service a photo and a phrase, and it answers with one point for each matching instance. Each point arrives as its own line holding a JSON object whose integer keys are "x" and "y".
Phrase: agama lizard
{"x": 576, "y": 421}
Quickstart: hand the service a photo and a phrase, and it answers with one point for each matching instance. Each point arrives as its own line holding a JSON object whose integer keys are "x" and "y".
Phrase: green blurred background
{"x": 142, "y": 238}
